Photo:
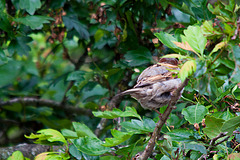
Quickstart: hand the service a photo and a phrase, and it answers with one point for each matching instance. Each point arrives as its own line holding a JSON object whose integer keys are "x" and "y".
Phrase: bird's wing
{"x": 151, "y": 71}
{"x": 154, "y": 79}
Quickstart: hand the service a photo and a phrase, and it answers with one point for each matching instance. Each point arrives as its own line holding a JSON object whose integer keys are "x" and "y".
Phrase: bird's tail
{"x": 129, "y": 91}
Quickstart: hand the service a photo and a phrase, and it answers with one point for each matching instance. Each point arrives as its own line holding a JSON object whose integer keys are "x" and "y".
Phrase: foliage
{"x": 72, "y": 57}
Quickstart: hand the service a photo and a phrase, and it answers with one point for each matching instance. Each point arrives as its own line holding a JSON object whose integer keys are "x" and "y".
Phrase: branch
{"x": 212, "y": 143}
{"x": 151, "y": 143}
{"x": 77, "y": 65}
{"x": 115, "y": 101}
{"x": 31, "y": 101}
{"x": 28, "y": 150}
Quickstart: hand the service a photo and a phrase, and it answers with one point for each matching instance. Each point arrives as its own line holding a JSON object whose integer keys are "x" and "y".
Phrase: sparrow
{"x": 155, "y": 84}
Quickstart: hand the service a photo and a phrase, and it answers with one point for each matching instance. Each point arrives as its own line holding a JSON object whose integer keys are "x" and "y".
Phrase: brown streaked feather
{"x": 158, "y": 78}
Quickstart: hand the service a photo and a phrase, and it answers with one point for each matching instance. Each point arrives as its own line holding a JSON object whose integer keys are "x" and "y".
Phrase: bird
{"x": 156, "y": 84}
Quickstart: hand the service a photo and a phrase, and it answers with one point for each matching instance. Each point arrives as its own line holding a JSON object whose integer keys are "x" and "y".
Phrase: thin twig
{"x": 220, "y": 135}
{"x": 212, "y": 143}
{"x": 209, "y": 101}
{"x": 236, "y": 30}
{"x": 115, "y": 101}
{"x": 149, "y": 148}
{"x": 77, "y": 65}
{"x": 32, "y": 101}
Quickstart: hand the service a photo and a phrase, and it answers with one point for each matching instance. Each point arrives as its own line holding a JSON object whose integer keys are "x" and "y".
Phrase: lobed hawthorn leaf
{"x": 50, "y": 135}
{"x": 19, "y": 46}
{"x": 195, "y": 38}
{"x": 15, "y": 68}
{"x": 30, "y": 5}
{"x": 208, "y": 30}
{"x": 129, "y": 112}
{"x": 34, "y": 22}
{"x": 184, "y": 45}
{"x": 138, "y": 57}
{"x": 90, "y": 146}
{"x": 74, "y": 23}
{"x": 187, "y": 69}
{"x": 168, "y": 40}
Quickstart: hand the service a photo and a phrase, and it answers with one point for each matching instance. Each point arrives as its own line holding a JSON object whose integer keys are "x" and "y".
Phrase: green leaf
{"x": 195, "y": 146}
{"x": 230, "y": 125}
{"x": 30, "y": 5}
{"x": 14, "y": 67}
{"x": 137, "y": 126}
{"x": 236, "y": 74}
{"x": 34, "y": 22}
{"x": 2, "y": 5}
{"x": 57, "y": 4}
{"x": 119, "y": 137}
{"x": 168, "y": 40}
{"x": 17, "y": 155}
{"x": 213, "y": 88}
{"x": 19, "y": 46}
{"x": 109, "y": 158}
{"x": 226, "y": 115}
{"x": 5, "y": 24}
{"x": 91, "y": 146}
{"x": 213, "y": 126}
{"x": 50, "y": 135}
{"x": 83, "y": 130}
{"x": 75, "y": 152}
{"x": 31, "y": 68}
{"x": 69, "y": 134}
{"x": 138, "y": 57}
{"x": 233, "y": 156}
{"x": 201, "y": 69}
{"x": 183, "y": 7}
{"x": 195, "y": 155}
{"x": 236, "y": 92}
{"x": 74, "y": 23}
{"x": 52, "y": 156}
{"x": 178, "y": 56}
{"x": 218, "y": 46}
{"x": 187, "y": 69}
{"x": 76, "y": 75}
{"x": 195, "y": 113}
{"x": 129, "y": 112}
{"x": 181, "y": 135}
{"x": 195, "y": 38}
{"x": 208, "y": 30}
{"x": 3, "y": 58}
